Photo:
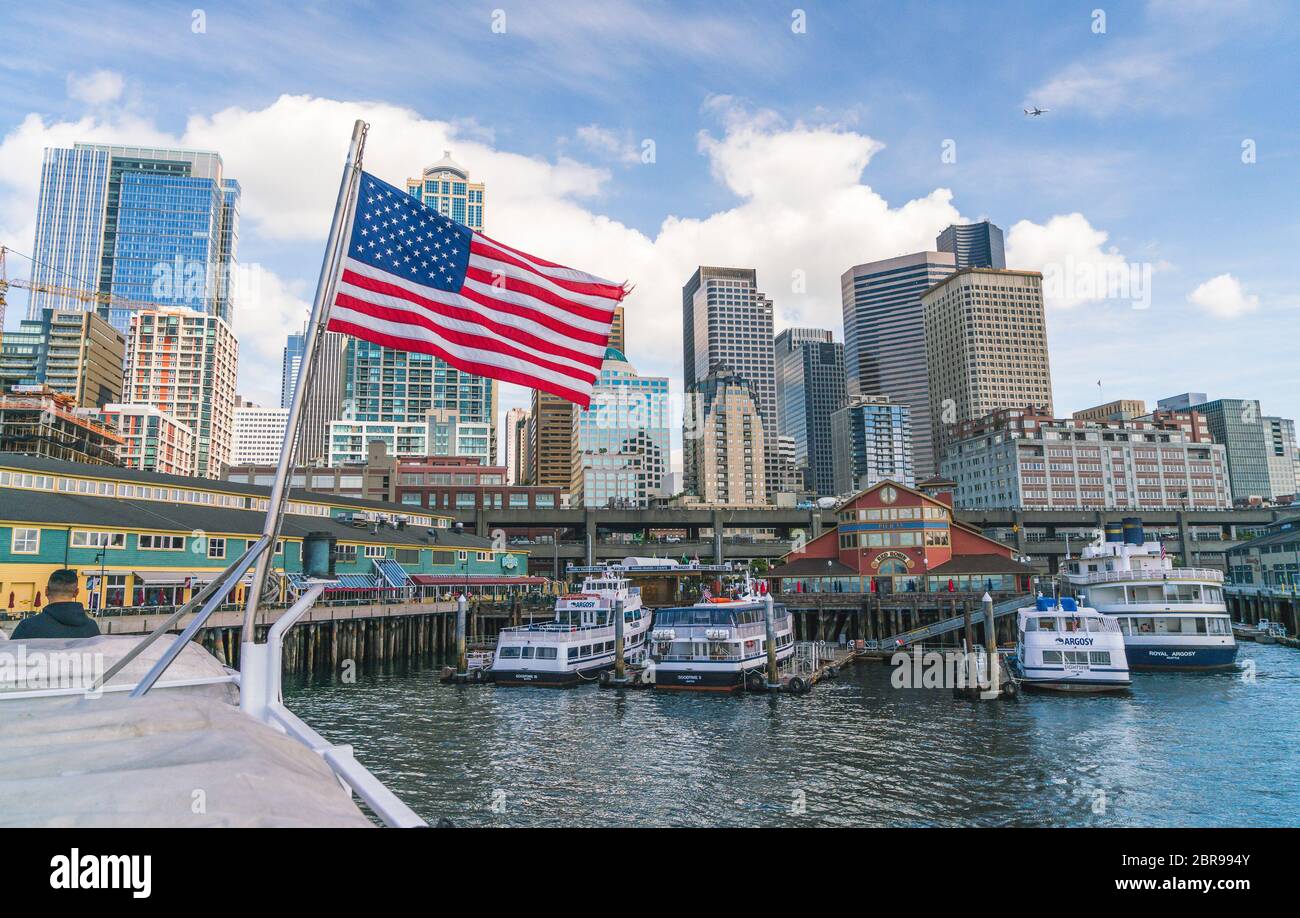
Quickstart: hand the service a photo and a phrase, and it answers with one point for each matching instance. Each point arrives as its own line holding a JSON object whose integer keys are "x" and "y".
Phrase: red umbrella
{"x": 11, "y": 599}
{"x": 38, "y": 600}
{"x": 952, "y": 587}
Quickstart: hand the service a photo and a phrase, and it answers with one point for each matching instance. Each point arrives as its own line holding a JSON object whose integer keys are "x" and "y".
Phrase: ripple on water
{"x": 1198, "y": 749}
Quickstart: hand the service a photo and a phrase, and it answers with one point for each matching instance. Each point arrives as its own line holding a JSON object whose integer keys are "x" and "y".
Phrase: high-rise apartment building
{"x": 621, "y": 442}
{"x": 986, "y": 347}
{"x": 1283, "y": 471}
{"x": 451, "y": 436}
{"x": 152, "y": 440}
{"x": 146, "y": 224}
{"x": 514, "y": 446}
{"x": 726, "y": 320}
{"x": 974, "y": 245}
{"x": 445, "y": 187}
{"x": 1022, "y": 458}
{"x": 872, "y": 442}
{"x": 725, "y": 445}
{"x": 809, "y": 388}
{"x": 290, "y": 364}
{"x": 77, "y": 354}
{"x": 259, "y": 432}
{"x": 185, "y": 363}
{"x": 884, "y": 338}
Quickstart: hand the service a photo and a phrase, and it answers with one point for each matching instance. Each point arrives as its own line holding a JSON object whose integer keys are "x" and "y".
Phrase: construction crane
{"x": 80, "y": 294}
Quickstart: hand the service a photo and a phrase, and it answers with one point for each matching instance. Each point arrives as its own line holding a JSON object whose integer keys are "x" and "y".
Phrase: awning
{"x": 393, "y": 573}
{"x": 474, "y": 580}
{"x": 179, "y": 578}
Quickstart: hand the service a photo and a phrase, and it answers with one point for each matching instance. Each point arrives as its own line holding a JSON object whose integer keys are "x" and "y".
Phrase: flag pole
{"x": 335, "y": 248}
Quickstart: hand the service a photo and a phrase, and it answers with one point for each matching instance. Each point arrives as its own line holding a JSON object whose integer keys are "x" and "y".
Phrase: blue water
{"x": 1184, "y": 749}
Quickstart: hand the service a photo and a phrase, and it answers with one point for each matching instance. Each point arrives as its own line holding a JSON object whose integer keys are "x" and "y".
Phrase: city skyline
{"x": 1056, "y": 185}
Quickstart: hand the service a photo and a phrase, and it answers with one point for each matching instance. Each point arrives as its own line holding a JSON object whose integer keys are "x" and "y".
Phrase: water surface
{"x": 1209, "y": 749}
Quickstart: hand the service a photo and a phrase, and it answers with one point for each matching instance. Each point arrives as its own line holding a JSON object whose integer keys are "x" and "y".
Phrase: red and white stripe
{"x": 516, "y": 318}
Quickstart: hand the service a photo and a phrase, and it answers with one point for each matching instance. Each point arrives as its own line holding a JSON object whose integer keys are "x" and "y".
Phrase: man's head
{"x": 62, "y": 586}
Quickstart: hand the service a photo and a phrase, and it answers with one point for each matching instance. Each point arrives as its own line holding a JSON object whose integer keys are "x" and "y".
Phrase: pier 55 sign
{"x": 103, "y": 871}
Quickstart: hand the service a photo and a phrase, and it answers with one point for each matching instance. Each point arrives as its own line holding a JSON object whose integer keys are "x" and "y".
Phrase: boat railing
{"x": 1177, "y": 573}
{"x": 562, "y": 635}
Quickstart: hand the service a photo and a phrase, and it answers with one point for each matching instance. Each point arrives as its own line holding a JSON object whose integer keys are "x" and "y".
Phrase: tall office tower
{"x": 975, "y": 245}
{"x": 550, "y": 443}
{"x": 621, "y": 442}
{"x": 74, "y": 353}
{"x": 1184, "y": 402}
{"x": 884, "y": 338}
{"x": 985, "y": 346}
{"x": 1283, "y": 471}
{"x": 290, "y": 364}
{"x": 145, "y": 224}
{"x": 449, "y": 435}
{"x": 1123, "y": 409}
{"x": 184, "y": 363}
{"x": 618, "y": 332}
{"x": 809, "y": 387}
{"x": 726, "y": 320}
{"x": 724, "y": 446}
{"x": 324, "y": 401}
{"x": 514, "y": 445}
{"x": 1239, "y": 425}
{"x": 873, "y": 443}
{"x": 259, "y": 432}
{"x": 445, "y": 187}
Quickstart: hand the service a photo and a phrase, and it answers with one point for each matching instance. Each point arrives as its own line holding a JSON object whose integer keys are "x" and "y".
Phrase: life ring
{"x": 754, "y": 680}
{"x": 797, "y": 685}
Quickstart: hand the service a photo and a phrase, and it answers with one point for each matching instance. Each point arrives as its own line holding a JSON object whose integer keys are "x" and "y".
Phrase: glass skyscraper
{"x": 884, "y": 338}
{"x": 1240, "y": 426}
{"x": 974, "y": 245}
{"x": 144, "y": 224}
{"x": 809, "y": 387}
{"x": 291, "y": 363}
{"x": 621, "y": 443}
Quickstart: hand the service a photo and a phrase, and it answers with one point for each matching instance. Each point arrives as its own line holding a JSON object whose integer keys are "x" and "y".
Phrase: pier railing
{"x": 1177, "y": 573}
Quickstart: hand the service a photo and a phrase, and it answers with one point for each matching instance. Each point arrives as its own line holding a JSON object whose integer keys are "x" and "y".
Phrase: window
{"x": 462, "y": 556}
{"x": 485, "y": 556}
{"x": 345, "y": 552}
{"x": 407, "y": 555}
{"x": 510, "y": 653}
{"x": 26, "y": 541}
{"x": 376, "y": 551}
{"x": 546, "y": 653}
{"x": 82, "y": 538}
{"x": 162, "y": 542}
{"x": 527, "y": 653}
{"x": 216, "y": 548}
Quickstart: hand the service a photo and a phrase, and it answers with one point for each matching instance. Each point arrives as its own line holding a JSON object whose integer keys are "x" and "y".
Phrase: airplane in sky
{"x": 1036, "y": 111}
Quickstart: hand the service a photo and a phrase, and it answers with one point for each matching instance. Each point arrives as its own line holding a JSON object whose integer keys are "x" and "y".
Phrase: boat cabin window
{"x": 573, "y": 653}
{"x": 510, "y": 653}
{"x": 527, "y": 653}
{"x": 1040, "y": 623}
{"x": 546, "y": 653}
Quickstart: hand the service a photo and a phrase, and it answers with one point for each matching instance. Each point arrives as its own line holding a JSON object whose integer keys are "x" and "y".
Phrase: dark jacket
{"x": 59, "y": 620}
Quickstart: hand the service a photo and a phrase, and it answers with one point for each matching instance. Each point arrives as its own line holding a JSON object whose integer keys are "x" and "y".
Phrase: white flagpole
{"x": 335, "y": 248}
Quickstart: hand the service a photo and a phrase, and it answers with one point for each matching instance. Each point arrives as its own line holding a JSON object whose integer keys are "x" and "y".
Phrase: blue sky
{"x": 789, "y": 151}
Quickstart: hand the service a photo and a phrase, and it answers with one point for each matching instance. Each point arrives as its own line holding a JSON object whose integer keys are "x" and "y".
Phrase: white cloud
{"x": 609, "y": 144}
{"x": 97, "y": 88}
{"x": 1076, "y": 268}
{"x": 1223, "y": 297}
{"x": 267, "y": 308}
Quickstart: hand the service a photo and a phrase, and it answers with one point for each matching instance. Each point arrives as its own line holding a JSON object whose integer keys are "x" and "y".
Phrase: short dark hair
{"x": 63, "y": 580}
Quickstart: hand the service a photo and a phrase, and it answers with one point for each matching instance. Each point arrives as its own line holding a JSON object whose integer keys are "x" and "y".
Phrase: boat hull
{"x": 1173, "y": 658}
{"x": 1078, "y": 686}
{"x": 543, "y": 679}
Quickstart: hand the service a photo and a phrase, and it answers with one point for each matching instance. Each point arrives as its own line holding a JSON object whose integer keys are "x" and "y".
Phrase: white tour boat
{"x": 716, "y": 644}
{"x": 578, "y": 644}
{"x": 1172, "y": 618}
{"x": 1065, "y": 647}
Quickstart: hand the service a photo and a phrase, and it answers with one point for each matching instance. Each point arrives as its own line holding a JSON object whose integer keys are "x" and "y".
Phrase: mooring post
{"x": 972, "y": 667}
{"x": 462, "y": 658}
{"x": 773, "y": 680}
{"x": 991, "y": 648}
{"x": 620, "y": 665}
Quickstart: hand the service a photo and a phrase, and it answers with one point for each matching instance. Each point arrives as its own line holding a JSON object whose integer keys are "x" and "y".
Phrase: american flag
{"x": 415, "y": 280}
